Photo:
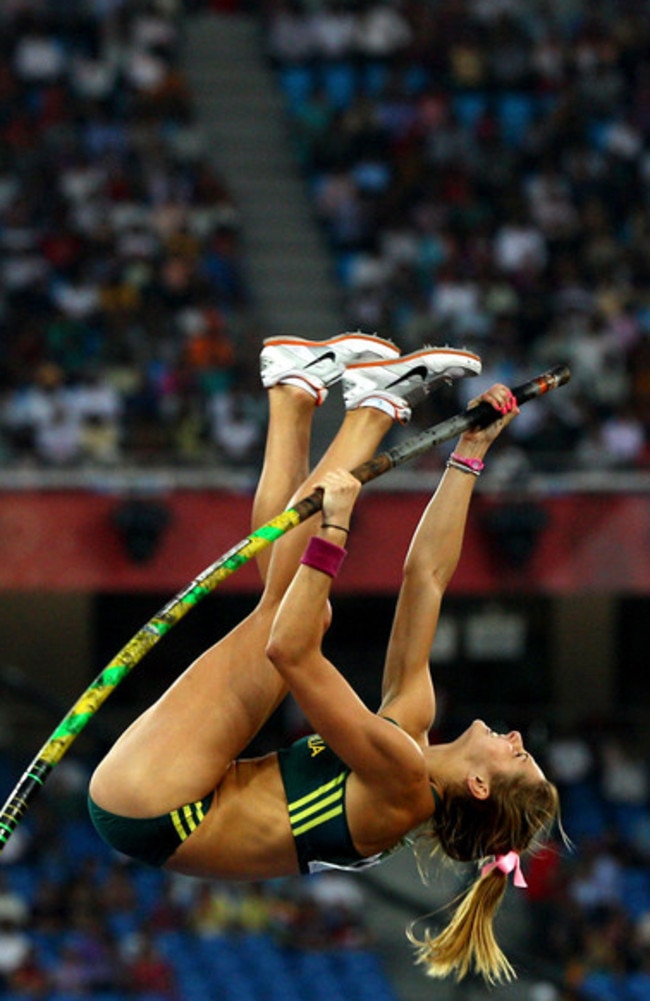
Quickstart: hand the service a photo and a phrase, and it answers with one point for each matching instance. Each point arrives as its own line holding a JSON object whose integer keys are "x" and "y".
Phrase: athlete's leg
{"x": 181, "y": 747}
{"x": 358, "y": 439}
{"x": 286, "y": 457}
{"x": 313, "y": 367}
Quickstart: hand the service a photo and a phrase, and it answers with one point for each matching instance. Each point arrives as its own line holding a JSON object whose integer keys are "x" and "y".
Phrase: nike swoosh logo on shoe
{"x": 421, "y": 370}
{"x": 329, "y": 355}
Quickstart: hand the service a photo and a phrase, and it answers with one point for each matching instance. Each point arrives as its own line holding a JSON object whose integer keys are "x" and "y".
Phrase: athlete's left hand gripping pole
{"x": 107, "y": 681}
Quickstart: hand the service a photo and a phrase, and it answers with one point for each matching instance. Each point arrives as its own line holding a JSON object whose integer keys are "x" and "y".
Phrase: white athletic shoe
{"x": 395, "y": 386}
{"x": 316, "y": 365}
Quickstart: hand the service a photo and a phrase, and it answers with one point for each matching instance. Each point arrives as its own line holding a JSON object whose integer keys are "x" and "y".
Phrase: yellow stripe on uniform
{"x": 312, "y": 810}
{"x": 321, "y": 791}
{"x": 187, "y": 818}
{"x": 336, "y": 796}
{"x": 321, "y": 819}
{"x": 178, "y": 824}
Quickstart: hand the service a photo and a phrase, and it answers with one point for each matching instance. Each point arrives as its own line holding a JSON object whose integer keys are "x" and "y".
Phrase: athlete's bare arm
{"x": 407, "y": 691}
{"x": 374, "y": 749}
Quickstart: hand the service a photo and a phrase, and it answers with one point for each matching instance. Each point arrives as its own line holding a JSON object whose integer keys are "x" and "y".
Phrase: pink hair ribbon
{"x": 507, "y": 864}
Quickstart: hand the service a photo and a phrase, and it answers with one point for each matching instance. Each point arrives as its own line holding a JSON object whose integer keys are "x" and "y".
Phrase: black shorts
{"x": 151, "y": 840}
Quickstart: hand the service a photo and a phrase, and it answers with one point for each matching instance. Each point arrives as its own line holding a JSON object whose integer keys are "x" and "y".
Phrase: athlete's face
{"x": 498, "y": 753}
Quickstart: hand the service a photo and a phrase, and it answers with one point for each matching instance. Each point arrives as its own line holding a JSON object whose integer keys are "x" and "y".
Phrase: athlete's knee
{"x": 106, "y": 777}
{"x": 118, "y": 781}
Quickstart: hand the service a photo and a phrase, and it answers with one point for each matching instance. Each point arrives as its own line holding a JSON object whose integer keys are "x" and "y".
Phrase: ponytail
{"x": 467, "y": 944}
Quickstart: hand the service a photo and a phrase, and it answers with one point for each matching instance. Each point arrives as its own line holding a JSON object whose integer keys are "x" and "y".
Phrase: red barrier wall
{"x": 66, "y": 541}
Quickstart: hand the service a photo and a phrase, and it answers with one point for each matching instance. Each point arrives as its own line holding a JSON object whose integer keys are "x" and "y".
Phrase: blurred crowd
{"x": 590, "y": 906}
{"x": 481, "y": 171}
{"x": 124, "y": 316}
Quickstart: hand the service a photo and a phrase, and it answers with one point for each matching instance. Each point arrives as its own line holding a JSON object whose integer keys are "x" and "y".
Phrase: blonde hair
{"x": 514, "y": 817}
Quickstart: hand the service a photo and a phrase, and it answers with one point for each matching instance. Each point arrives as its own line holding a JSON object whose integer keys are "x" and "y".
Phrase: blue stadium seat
{"x": 416, "y": 79}
{"x": 515, "y": 114}
{"x": 629, "y": 819}
{"x": 597, "y": 130}
{"x": 149, "y": 885}
{"x": 195, "y": 987}
{"x": 636, "y": 891}
{"x": 364, "y": 978}
{"x": 22, "y": 879}
{"x": 339, "y": 81}
{"x": 346, "y": 262}
{"x": 296, "y": 83}
{"x": 601, "y": 987}
{"x": 123, "y": 923}
{"x": 374, "y": 77}
{"x": 583, "y": 812}
{"x": 470, "y": 108}
{"x": 637, "y": 987}
{"x": 81, "y": 841}
{"x": 12, "y": 996}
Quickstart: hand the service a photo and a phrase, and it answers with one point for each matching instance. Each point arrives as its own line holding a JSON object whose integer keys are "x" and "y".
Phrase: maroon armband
{"x": 323, "y": 555}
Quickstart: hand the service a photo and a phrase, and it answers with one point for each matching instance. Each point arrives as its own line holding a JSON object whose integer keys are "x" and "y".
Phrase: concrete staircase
{"x": 240, "y": 112}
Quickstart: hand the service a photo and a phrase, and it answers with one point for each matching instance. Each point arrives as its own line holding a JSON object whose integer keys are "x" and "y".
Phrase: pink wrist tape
{"x": 323, "y": 555}
{"x": 475, "y": 466}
